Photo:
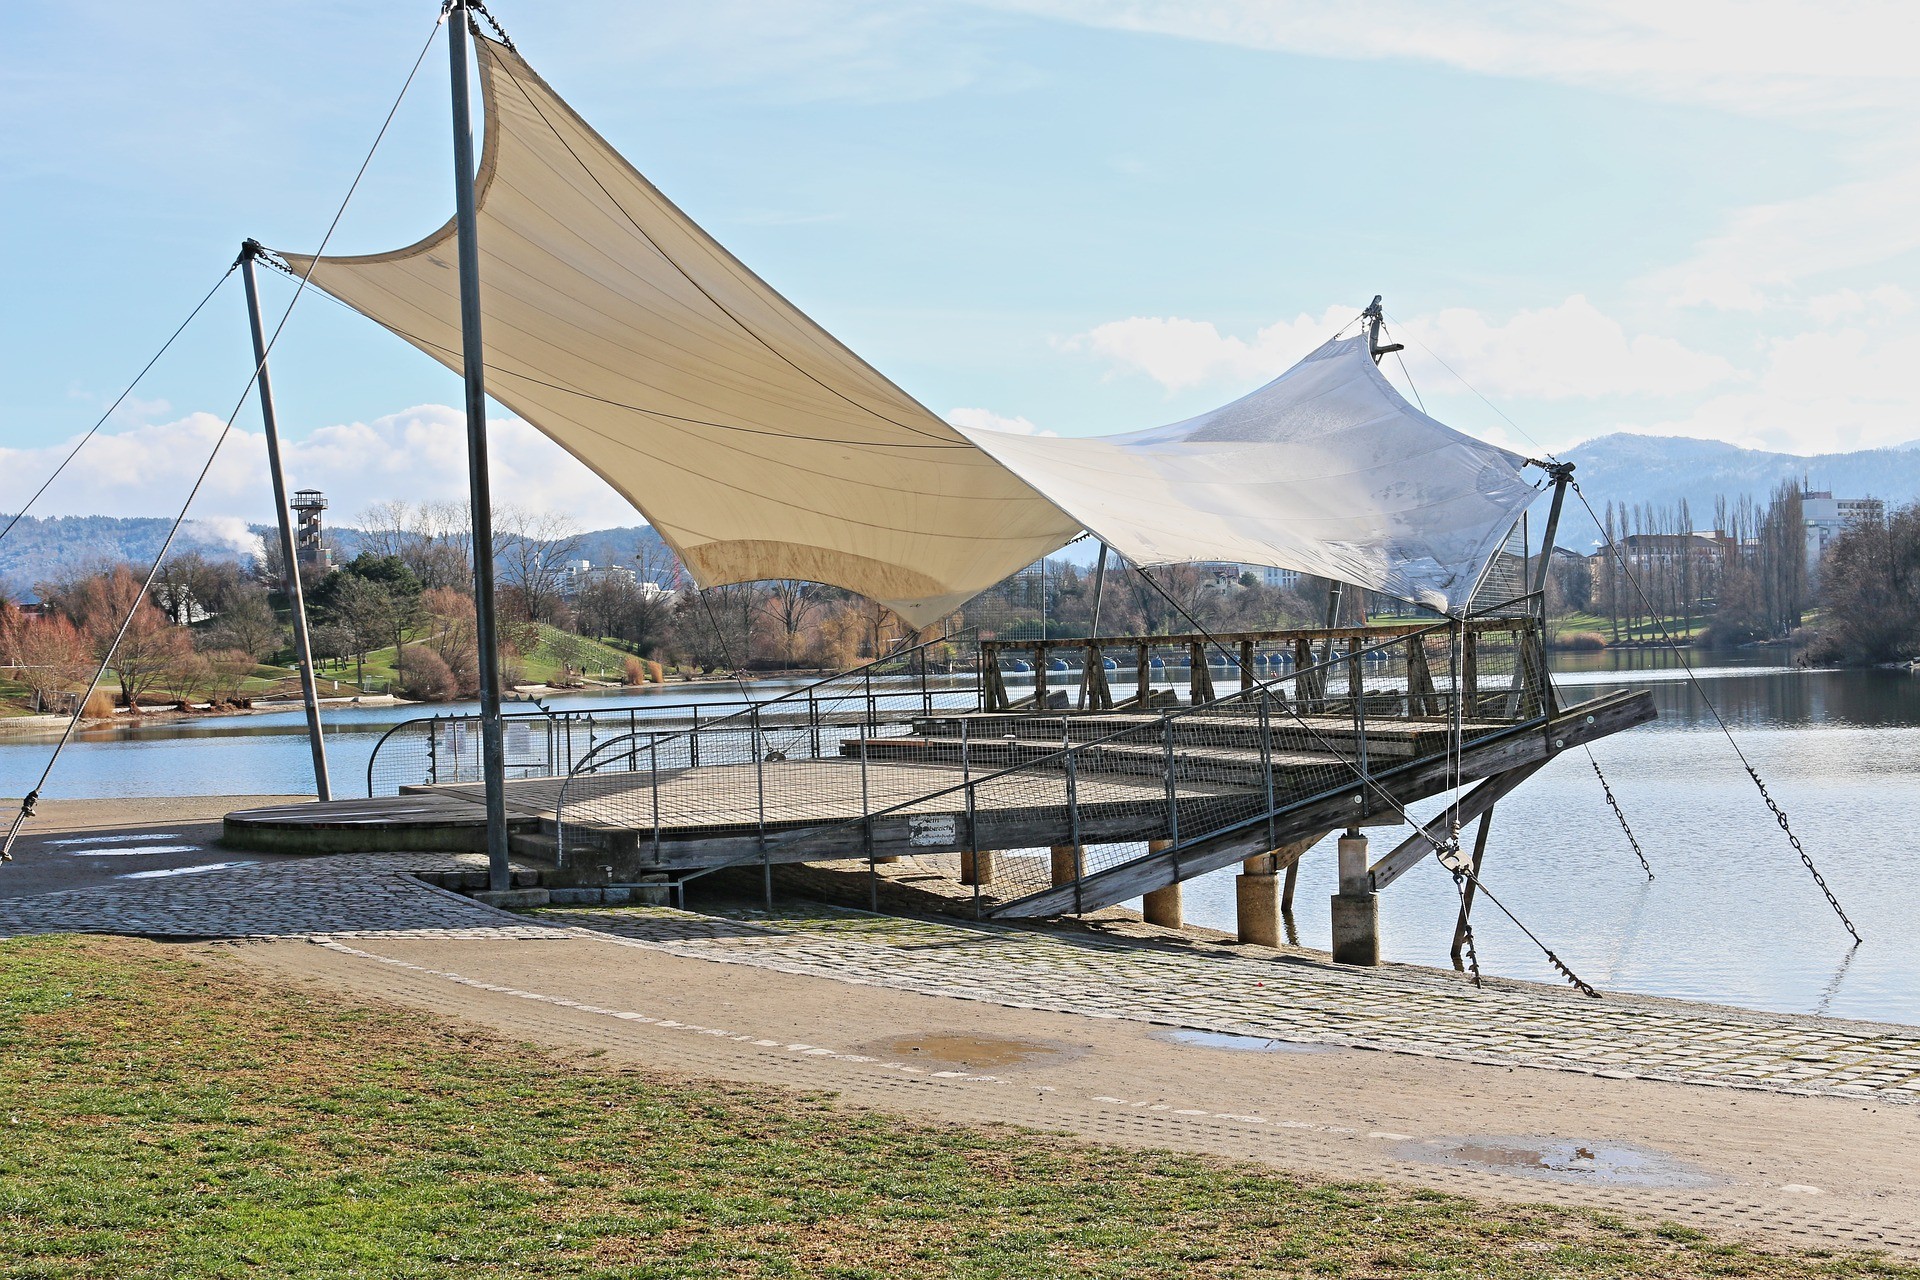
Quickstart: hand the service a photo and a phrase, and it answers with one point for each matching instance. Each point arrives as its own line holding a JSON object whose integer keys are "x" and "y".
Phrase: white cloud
{"x": 417, "y": 455}
{"x": 1554, "y": 353}
{"x": 988, "y": 420}
{"x": 1179, "y": 353}
{"x": 1819, "y": 392}
{"x": 1764, "y": 57}
{"x": 1885, "y": 302}
{"x": 1568, "y": 351}
{"x": 1846, "y": 67}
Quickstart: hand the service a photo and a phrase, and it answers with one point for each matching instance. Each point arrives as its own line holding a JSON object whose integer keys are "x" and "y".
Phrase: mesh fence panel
{"x": 888, "y": 760}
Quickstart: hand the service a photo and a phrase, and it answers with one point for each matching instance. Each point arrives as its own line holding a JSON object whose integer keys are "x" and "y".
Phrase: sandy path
{"x": 1792, "y": 1170}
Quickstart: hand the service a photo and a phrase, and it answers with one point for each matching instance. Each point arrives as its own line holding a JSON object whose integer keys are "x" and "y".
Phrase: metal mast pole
{"x": 1099, "y": 589}
{"x": 296, "y": 594}
{"x": 473, "y": 365}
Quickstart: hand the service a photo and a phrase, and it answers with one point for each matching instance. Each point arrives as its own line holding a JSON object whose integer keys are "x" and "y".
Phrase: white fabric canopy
{"x": 1326, "y": 470}
{"x": 760, "y": 448}
{"x": 755, "y": 443}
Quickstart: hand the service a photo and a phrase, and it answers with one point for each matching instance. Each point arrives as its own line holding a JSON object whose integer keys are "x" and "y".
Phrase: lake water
{"x": 1732, "y": 916}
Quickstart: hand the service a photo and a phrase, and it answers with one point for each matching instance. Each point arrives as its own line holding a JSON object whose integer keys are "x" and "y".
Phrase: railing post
{"x": 926, "y": 695}
{"x": 1358, "y": 688}
{"x": 813, "y": 723}
{"x": 760, "y": 789}
{"x": 633, "y": 742}
{"x": 1073, "y": 815}
{"x": 653, "y": 755}
{"x": 693, "y": 740}
{"x": 866, "y": 827}
{"x": 1266, "y": 758}
{"x": 433, "y": 756}
{"x": 1173, "y": 802}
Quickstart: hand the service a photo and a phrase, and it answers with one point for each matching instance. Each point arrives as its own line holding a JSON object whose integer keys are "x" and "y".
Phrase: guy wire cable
{"x": 118, "y": 400}
{"x": 66, "y": 735}
{"x": 1441, "y": 847}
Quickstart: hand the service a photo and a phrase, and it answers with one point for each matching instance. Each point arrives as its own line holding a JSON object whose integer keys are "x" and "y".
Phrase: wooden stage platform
{"x": 979, "y": 781}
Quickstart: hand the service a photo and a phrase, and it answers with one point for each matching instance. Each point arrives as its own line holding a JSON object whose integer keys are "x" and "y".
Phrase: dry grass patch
{"x": 170, "y": 1117}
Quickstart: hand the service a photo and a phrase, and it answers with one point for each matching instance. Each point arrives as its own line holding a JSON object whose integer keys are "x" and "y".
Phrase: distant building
{"x": 577, "y": 575}
{"x": 310, "y": 549}
{"x": 1827, "y": 516}
{"x": 1268, "y": 576}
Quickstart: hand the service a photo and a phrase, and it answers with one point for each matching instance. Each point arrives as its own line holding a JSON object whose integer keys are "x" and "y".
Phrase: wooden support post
{"x": 1466, "y": 894}
{"x": 1286, "y": 890}
{"x": 1246, "y": 665}
{"x": 1421, "y": 700}
{"x": 1470, "y": 675}
{"x": 1039, "y": 677}
{"x": 996, "y": 687}
{"x": 1356, "y": 682}
{"x": 1066, "y": 863}
{"x": 1199, "y": 679}
{"x": 1143, "y": 677}
{"x": 1307, "y": 687}
{"x": 976, "y": 867}
{"x": 1162, "y": 906}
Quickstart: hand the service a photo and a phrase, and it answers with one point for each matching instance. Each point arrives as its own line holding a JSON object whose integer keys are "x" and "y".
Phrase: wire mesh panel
{"x": 886, "y": 761}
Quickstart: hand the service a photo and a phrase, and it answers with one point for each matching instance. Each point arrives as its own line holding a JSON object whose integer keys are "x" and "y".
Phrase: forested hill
{"x": 1663, "y": 470}
{"x": 1629, "y": 469}
{"x": 45, "y": 550}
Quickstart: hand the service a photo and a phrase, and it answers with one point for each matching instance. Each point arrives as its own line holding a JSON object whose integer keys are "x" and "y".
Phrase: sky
{"x": 1073, "y": 216}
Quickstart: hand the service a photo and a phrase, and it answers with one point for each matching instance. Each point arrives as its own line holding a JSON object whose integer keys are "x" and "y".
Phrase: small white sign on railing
{"x": 933, "y": 830}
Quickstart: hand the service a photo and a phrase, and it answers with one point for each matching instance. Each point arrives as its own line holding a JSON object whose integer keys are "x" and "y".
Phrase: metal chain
{"x": 1620, "y": 816}
{"x": 1466, "y": 927}
{"x": 475, "y": 6}
{"x": 1578, "y": 983}
{"x": 1806, "y": 859}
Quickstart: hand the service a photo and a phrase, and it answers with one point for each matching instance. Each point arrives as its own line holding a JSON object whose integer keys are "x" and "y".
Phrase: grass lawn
{"x": 542, "y": 666}
{"x": 165, "y": 1117}
{"x": 1681, "y": 630}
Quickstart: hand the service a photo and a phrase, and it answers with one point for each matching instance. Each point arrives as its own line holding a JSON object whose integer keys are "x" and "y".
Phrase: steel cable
{"x": 117, "y": 402}
{"x": 32, "y": 797}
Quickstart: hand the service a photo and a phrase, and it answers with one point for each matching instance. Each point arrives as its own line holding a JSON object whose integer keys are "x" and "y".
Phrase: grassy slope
{"x": 167, "y": 1118}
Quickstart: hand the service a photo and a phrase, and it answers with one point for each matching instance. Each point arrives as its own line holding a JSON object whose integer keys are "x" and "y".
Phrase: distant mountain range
{"x": 1619, "y": 468}
{"x": 46, "y": 550}
{"x": 1664, "y": 469}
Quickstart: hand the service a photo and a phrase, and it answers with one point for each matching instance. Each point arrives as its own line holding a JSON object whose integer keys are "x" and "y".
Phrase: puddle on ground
{"x": 1559, "y": 1160}
{"x": 961, "y": 1049}
{"x": 1239, "y": 1044}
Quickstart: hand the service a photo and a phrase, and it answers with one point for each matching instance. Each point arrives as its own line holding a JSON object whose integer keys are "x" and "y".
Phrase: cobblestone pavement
{"x": 1402, "y": 1009}
{"x": 225, "y": 896}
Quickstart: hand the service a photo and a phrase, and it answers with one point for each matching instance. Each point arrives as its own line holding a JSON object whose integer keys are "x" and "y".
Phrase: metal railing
{"x": 1366, "y": 703}
{"x": 620, "y": 783}
{"x": 545, "y": 743}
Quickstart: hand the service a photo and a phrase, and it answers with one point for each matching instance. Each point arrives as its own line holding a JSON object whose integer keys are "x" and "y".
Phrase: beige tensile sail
{"x": 760, "y": 448}
{"x": 754, "y": 443}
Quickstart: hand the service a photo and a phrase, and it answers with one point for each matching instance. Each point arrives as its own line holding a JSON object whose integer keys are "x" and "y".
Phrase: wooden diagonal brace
{"x": 1407, "y": 854}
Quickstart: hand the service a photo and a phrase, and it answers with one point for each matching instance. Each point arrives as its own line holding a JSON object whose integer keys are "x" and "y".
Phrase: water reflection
{"x": 1732, "y": 917}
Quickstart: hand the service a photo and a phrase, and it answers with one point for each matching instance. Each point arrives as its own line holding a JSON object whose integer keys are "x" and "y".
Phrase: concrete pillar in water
{"x": 1256, "y": 900}
{"x": 1066, "y": 863}
{"x": 1162, "y": 906}
{"x": 1356, "y": 908}
{"x": 976, "y": 867}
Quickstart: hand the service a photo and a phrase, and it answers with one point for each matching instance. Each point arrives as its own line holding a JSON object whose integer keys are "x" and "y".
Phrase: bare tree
{"x": 53, "y": 657}
{"x": 791, "y": 604}
{"x": 530, "y": 553}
